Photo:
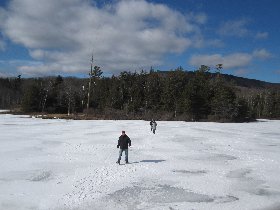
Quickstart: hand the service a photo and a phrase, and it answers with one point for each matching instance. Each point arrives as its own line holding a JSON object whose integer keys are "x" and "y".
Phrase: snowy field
{"x": 66, "y": 164}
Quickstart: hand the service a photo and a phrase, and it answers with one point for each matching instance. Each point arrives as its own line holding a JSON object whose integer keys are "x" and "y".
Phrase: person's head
{"x": 123, "y": 133}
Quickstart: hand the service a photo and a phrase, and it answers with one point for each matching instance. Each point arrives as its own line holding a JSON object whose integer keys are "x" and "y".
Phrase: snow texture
{"x": 67, "y": 164}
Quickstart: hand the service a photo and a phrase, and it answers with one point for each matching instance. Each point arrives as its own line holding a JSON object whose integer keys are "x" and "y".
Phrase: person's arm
{"x": 118, "y": 143}
{"x": 129, "y": 141}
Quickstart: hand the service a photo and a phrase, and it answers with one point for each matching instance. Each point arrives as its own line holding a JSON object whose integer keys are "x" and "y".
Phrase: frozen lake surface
{"x": 66, "y": 164}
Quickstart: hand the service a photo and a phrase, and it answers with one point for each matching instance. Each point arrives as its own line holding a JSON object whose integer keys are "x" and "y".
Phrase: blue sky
{"x": 50, "y": 37}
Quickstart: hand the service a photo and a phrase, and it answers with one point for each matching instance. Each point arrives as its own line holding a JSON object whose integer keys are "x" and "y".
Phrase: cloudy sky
{"x": 51, "y": 37}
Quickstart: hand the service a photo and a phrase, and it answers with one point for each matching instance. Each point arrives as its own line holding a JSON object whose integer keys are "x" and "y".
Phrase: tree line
{"x": 162, "y": 95}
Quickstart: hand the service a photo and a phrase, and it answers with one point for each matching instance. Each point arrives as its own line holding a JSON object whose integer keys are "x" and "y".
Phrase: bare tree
{"x": 89, "y": 83}
{"x": 95, "y": 72}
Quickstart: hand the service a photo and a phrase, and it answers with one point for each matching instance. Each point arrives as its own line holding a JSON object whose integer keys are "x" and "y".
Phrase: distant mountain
{"x": 250, "y": 83}
{"x": 235, "y": 80}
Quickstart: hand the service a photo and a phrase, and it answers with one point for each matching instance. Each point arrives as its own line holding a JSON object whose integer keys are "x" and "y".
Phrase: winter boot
{"x": 118, "y": 162}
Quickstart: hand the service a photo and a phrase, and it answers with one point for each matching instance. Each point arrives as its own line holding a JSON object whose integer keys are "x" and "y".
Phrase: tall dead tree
{"x": 89, "y": 83}
{"x": 95, "y": 73}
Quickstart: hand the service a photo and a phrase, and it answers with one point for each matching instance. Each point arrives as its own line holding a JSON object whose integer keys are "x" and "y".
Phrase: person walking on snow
{"x": 154, "y": 126}
{"x": 151, "y": 124}
{"x": 123, "y": 143}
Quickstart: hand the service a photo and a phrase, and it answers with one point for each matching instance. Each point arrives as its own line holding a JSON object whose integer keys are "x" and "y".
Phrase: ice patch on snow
{"x": 41, "y": 176}
{"x": 226, "y": 199}
{"x": 216, "y": 157}
{"x": 157, "y": 194}
{"x": 275, "y": 206}
{"x": 265, "y": 192}
{"x": 52, "y": 143}
{"x": 138, "y": 195}
{"x": 152, "y": 161}
{"x": 191, "y": 172}
{"x": 32, "y": 175}
{"x": 239, "y": 173}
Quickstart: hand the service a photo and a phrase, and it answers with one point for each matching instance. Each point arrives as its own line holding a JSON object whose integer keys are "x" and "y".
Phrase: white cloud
{"x": 127, "y": 34}
{"x": 240, "y": 28}
{"x": 234, "y": 60}
{"x": 241, "y": 72}
{"x": 217, "y": 43}
{"x": 4, "y": 74}
{"x": 37, "y": 54}
{"x": 2, "y": 45}
{"x": 11, "y": 68}
{"x": 261, "y": 35}
{"x": 200, "y": 18}
{"x": 3, "y": 16}
{"x": 277, "y": 72}
{"x": 262, "y": 54}
{"x": 235, "y": 28}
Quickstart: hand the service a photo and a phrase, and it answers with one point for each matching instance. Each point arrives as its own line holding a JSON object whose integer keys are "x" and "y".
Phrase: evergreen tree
{"x": 197, "y": 95}
{"x": 223, "y": 103}
{"x": 174, "y": 85}
{"x": 31, "y": 100}
{"x": 241, "y": 111}
{"x": 153, "y": 91}
{"x": 271, "y": 104}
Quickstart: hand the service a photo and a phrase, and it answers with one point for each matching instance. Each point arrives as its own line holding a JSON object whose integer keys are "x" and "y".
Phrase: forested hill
{"x": 163, "y": 95}
{"x": 250, "y": 83}
{"x": 236, "y": 81}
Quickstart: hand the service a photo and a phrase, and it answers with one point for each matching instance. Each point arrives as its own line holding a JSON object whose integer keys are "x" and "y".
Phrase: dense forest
{"x": 162, "y": 95}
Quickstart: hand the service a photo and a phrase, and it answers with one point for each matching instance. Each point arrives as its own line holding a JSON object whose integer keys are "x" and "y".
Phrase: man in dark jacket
{"x": 123, "y": 143}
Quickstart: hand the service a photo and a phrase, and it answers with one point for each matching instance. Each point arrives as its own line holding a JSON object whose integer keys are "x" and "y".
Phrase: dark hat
{"x": 123, "y": 131}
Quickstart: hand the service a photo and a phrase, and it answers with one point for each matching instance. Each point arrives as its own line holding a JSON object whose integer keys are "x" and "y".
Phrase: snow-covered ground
{"x": 67, "y": 164}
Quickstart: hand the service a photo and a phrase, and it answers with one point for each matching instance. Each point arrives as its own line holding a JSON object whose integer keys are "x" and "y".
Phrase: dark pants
{"x": 126, "y": 154}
